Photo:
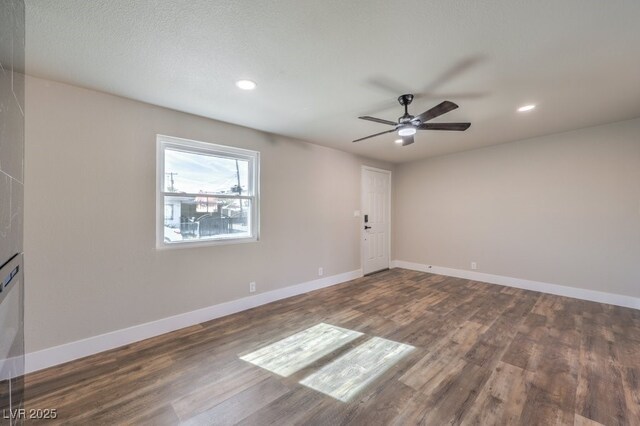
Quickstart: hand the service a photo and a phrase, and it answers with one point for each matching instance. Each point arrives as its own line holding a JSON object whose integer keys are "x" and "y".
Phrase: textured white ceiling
{"x": 321, "y": 63}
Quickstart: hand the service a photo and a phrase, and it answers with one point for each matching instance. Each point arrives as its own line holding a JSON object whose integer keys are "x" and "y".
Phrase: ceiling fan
{"x": 408, "y": 125}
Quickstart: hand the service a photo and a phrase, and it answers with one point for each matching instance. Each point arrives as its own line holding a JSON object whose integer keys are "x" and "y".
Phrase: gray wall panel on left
{"x": 12, "y": 82}
{"x": 11, "y": 126}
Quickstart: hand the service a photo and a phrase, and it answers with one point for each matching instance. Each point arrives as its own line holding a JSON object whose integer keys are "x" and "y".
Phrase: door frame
{"x": 361, "y": 221}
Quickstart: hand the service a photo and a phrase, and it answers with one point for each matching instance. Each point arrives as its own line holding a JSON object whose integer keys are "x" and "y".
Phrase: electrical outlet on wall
{"x": 320, "y": 271}
{"x": 474, "y": 265}
{"x": 252, "y": 287}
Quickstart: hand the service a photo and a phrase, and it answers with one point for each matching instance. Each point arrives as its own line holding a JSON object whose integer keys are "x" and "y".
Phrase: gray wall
{"x": 12, "y": 84}
{"x": 11, "y": 127}
{"x": 90, "y": 216}
{"x": 562, "y": 209}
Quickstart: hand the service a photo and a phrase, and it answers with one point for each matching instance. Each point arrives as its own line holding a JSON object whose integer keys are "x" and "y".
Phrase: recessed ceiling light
{"x": 398, "y": 141}
{"x": 246, "y": 84}
{"x": 526, "y": 108}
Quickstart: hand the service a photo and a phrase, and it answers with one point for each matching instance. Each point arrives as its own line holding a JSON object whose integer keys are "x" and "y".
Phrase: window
{"x": 207, "y": 194}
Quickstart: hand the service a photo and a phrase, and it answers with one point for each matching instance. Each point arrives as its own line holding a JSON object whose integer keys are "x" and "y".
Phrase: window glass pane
{"x": 196, "y": 173}
{"x": 168, "y": 212}
{"x": 205, "y": 218}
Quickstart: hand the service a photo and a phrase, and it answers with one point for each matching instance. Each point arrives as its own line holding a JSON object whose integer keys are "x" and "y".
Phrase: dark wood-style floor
{"x": 485, "y": 354}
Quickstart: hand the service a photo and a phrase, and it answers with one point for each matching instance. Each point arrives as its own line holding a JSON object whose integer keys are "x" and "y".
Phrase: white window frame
{"x": 164, "y": 142}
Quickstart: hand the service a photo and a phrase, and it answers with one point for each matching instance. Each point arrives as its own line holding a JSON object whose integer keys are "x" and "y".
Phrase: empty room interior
{"x": 319, "y": 212}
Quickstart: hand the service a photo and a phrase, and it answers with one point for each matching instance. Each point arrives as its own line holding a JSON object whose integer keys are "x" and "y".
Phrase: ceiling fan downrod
{"x": 405, "y": 100}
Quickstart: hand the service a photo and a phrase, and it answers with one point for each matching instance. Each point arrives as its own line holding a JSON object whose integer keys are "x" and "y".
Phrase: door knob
{"x": 367, "y": 227}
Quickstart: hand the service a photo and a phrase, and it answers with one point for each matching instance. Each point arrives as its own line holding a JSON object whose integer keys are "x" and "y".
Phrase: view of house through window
{"x": 208, "y": 193}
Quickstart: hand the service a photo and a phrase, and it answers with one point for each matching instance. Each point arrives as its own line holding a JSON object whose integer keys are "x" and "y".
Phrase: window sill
{"x": 195, "y": 244}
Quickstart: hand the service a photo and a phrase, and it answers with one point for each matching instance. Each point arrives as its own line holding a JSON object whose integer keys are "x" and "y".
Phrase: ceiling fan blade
{"x": 444, "y": 126}
{"x": 437, "y": 111}
{"x": 378, "y": 120}
{"x": 407, "y": 140}
{"x": 377, "y": 134}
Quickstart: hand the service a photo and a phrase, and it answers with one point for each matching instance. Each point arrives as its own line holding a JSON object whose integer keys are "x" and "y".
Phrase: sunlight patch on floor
{"x": 295, "y": 352}
{"x": 353, "y": 371}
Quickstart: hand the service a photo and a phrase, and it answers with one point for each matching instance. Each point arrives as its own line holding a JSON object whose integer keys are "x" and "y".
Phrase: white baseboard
{"x": 560, "y": 290}
{"x": 39, "y": 360}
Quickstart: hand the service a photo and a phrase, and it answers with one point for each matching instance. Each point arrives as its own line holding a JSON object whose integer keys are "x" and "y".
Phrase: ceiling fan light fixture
{"x": 407, "y": 131}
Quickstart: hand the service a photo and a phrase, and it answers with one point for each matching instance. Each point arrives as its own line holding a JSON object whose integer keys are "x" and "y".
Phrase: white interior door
{"x": 376, "y": 199}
